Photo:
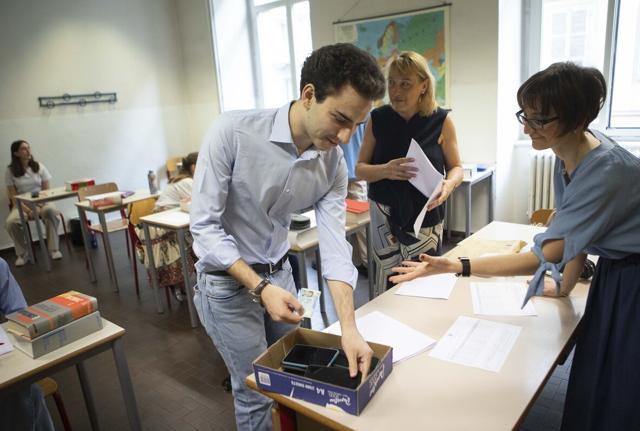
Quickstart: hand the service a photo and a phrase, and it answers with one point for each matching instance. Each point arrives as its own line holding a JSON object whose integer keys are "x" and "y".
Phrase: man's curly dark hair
{"x": 332, "y": 67}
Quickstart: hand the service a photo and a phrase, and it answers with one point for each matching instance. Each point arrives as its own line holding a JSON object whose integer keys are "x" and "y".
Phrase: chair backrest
{"x": 83, "y": 192}
{"x": 541, "y": 217}
{"x": 140, "y": 209}
{"x": 172, "y": 166}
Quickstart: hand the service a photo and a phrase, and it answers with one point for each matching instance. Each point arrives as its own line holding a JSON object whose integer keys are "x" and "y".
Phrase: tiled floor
{"x": 176, "y": 371}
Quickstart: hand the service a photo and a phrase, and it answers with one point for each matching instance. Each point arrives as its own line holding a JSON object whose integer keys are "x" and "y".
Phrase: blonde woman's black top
{"x": 393, "y": 135}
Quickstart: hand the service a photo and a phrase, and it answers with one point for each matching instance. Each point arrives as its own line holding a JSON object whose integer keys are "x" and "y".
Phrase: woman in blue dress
{"x": 597, "y": 185}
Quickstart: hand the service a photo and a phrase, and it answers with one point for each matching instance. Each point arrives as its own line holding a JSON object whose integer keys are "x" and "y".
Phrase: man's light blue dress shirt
{"x": 249, "y": 179}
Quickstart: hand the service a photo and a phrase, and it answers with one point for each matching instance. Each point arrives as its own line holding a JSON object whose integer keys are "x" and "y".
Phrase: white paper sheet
{"x": 5, "y": 344}
{"x": 501, "y": 299}
{"x": 477, "y": 343}
{"x": 428, "y": 180}
{"x": 417, "y": 225}
{"x": 380, "y": 328}
{"x": 434, "y": 286}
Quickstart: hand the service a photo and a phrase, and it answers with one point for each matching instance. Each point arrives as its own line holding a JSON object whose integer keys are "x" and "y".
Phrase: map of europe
{"x": 424, "y": 33}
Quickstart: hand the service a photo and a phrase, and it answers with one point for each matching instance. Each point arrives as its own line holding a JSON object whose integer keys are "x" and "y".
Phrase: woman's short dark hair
{"x": 332, "y": 67}
{"x": 16, "y": 166}
{"x": 575, "y": 94}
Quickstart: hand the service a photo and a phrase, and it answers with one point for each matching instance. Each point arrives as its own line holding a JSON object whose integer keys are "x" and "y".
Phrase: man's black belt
{"x": 260, "y": 268}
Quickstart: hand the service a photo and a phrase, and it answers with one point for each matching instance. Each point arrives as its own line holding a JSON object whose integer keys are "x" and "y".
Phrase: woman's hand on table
{"x": 428, "y": 265}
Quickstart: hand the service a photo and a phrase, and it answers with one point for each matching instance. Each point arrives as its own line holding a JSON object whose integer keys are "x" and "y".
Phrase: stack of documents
{"x": 434, "y": 286}
{"x": 500, "y": 299}
{"x": 477, "y": 343}
{"x": 382, "y": 329}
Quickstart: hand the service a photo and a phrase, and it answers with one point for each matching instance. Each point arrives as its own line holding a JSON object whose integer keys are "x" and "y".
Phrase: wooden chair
{"x": 172, "y": 166}
{"x": 542, "y": 216}
{"x": 136, "y": 211}
{"x": 50, "y": 387}
{"x": 117, "y": 225}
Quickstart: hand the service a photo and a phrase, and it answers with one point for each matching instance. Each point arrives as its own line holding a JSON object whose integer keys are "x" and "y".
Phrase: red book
{"x": 357, "y": 207}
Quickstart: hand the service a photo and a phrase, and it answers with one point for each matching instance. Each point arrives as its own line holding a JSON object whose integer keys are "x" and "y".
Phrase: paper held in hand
{"x": 428, "y": 180}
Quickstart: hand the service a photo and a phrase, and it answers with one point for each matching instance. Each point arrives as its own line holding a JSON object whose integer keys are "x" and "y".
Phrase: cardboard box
{"x": 270, "y": 376}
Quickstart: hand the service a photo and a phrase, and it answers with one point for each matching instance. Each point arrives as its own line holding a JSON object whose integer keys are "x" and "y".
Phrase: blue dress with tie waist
{"x": 598, "y": 212}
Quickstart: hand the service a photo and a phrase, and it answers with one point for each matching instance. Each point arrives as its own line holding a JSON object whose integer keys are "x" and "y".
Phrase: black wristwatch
{"x": 466, "y": 267}
{"x": 256, "y": 292}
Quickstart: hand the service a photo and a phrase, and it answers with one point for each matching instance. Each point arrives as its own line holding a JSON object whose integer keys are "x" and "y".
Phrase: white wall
{"x": 156, "y": 54}
{"x": 473, "y": 67}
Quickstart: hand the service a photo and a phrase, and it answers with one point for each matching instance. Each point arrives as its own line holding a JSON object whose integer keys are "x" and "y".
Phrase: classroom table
{"x": 43, "y": 197}
{"x": 466, "y": 187}
{"x": 83, "y": 208}
{"x": 308, "y": 240}
{"x": 17, "y": 370}
{"x": 177, "y": 221}
{"x": 444, "y": 395}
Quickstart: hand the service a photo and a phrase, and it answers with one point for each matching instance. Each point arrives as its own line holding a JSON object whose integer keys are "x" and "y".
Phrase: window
{"x": 625, "y": 92}
{"x": 260, "y": 46}
{"x": 282, "y": 42}
{"x": 600, "y": 33}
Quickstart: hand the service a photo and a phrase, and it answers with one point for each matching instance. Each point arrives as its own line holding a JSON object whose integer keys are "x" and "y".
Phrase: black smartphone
{"x": 338, "y": 376}
{"x": 341, "y": 361}
{"x": 301, "y": 356}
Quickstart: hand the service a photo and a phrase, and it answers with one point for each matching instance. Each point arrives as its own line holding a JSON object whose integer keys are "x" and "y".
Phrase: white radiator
{"x": 541, "y": 181}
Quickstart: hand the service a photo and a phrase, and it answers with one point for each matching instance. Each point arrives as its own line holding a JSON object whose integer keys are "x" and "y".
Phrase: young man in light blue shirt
{"x": 255, "y": 169}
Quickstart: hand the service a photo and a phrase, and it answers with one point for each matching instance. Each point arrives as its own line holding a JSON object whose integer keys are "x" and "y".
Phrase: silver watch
{"x": 256, "y": 292}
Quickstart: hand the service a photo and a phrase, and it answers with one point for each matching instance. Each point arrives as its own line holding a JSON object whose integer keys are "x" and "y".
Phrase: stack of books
{"x": 74, "y": 185}
{"x": 56, "y": 322}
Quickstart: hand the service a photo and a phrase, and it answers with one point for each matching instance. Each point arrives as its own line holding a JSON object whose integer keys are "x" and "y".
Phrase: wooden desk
{"x": 44, "y": 196}
{"x": 442, "y": 395}
{"x": 177, "y": 221}
{"x": 17, "y": 370}
{"x": 309, "y": 241}
{"x": 83, "y": 208}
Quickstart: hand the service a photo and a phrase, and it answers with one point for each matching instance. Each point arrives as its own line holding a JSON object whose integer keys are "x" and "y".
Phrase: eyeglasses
{"x": 404, "y": 84}
{"x": 534, "y": 123}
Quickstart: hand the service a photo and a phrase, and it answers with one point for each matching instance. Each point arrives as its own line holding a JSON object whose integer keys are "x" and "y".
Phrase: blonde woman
{"x": 413, "y": 113}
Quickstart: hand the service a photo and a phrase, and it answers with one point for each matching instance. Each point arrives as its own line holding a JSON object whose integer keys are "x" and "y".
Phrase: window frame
{"x": 254, "y": 11}
{"x": 531, "y": 35}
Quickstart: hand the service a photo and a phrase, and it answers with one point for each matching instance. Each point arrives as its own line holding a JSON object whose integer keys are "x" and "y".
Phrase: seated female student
{"x": 413, "y": 113}
{"x": 25, "y": 175}
{"x": 166, "y": 251}
{"x": 597, "y": 202}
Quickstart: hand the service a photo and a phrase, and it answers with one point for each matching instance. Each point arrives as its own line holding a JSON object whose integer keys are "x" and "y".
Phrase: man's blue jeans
{"x": 241, "y": 330}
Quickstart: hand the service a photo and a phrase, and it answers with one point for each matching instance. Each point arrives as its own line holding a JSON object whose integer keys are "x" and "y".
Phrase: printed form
{"x": 501, "y": 299}
{"x": 434, "y": 286}
{"x": 477, "y": 343}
